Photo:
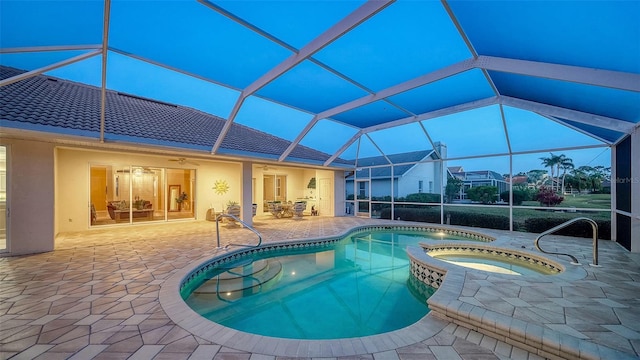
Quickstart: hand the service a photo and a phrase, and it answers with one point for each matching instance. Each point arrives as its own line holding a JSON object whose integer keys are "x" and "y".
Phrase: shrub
{"x": 413, "y": 214}
{"x": 421, "y": 198}
{"x": 519, "y": 195}
{"x": 487, "y": 221}
{"x": 548, "y": 197}
{"x": 381, "y": 198}
{"x": 483, "y": 194}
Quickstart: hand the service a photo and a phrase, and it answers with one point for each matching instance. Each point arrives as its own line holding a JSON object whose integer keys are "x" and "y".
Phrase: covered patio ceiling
{"x": 355, "y": 79}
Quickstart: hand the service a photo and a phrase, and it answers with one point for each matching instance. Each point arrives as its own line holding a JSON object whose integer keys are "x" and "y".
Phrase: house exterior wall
{"x": 426, "y": 172}
{"x": 381, "y": 187}
{"x": 30, "y": 191}
{"x": 72, "y": 179}
{"x": 339, "y": 193}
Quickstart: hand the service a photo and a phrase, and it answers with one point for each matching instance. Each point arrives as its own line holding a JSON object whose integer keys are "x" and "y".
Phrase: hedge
{"x": 579, "y": 229}
{"x": 456, "y": 217}
{"x": 499, "y": 222}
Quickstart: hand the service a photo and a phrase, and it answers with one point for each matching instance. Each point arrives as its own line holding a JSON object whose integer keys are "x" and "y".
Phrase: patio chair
{"x": 298, "y": 209}
{"x": 275, "y": 209}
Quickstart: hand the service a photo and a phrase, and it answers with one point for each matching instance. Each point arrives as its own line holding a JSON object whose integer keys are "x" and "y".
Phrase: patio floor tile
{"x": 97, "y": 296}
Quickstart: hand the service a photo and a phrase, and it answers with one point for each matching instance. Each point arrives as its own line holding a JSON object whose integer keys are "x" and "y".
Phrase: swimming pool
{"x": 358, "y": 286}
{"x": 360, "y": 282}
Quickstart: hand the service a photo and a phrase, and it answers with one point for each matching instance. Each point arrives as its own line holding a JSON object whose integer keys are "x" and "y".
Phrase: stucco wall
{"x": 72, "y": 193}
{"x": 30, "y": 188}
{"x": 49, "y": 188}
{"x": 408, "y": 184}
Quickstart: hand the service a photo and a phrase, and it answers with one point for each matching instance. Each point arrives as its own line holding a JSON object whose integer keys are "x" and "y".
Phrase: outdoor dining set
{"x": 287, "y": 209}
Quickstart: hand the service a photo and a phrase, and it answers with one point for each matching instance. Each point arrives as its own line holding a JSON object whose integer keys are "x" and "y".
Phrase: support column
{"x": 247, "y": 193}
{"x": 635, "y": 190}
{"x": 31, "y": 194}
{"x": 627, "y": 192}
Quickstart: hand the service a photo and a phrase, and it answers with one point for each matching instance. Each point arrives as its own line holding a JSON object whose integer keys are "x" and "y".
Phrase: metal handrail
{"x": 594, "y": 227}
{"x": 220, "y": 216}
{"x": 229, "y": 301}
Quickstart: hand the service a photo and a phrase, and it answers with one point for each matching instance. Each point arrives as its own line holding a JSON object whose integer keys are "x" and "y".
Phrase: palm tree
{"x": 565, "y": 164}
{"x": 597, "y": 176}
{"x": 586, "y": 172}
{"x": 551, "y": 162}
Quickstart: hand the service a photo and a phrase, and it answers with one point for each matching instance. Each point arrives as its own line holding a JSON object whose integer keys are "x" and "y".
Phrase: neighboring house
{"x": 417, "y": 172}
{"x": 518, "y": 180}
{"x": 477, "y": 178}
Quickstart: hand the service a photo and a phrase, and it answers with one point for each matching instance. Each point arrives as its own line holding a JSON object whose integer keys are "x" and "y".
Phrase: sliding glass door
{"x": 180, "y": 193}
{"x": 133, "y": 194}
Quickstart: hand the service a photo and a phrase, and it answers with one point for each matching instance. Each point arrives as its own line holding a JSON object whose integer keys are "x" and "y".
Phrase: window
{"x": 420, "y": 186}
{"x": 430, "y": 187}
{"x": 126, "y": 194}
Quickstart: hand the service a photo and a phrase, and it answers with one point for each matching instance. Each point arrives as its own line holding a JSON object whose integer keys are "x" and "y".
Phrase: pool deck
{"x": 98, "y": 295}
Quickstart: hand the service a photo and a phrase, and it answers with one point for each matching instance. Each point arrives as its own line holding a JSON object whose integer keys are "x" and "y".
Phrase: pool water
{"x": 358, "y": 287}
{"x": 495, "y": 264}
{"x": 404, "y": 238}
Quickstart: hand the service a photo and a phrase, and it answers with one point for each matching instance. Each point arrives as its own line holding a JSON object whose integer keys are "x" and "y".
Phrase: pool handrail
{"x": 594, "y": 227}
{"x": 220, "y": 216}
{"x": 218, "y": 287}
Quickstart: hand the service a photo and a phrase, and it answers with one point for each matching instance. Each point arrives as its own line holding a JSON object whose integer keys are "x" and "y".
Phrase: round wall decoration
{"x": 220, "y": 187}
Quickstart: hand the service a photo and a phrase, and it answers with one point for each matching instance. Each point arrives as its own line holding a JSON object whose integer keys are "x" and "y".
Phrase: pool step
{"x": 243, "y": 280}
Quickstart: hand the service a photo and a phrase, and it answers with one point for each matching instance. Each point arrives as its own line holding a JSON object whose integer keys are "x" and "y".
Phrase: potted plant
{"x": 180, "y": 199}
{"x": 312, "y": 183}
{"x": 233, "y": 208}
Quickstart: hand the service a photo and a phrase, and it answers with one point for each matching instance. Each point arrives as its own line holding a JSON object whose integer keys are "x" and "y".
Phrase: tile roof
{"x": 478, "y": 175}
{"x": 406, "y": 161}
{"x": 59, "y": 106}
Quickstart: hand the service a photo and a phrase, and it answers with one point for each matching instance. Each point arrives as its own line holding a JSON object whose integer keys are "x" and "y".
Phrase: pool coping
{"x": 445, "y": 308}
{"x": 534, "y": 338}
{"x": 185, "y": 317}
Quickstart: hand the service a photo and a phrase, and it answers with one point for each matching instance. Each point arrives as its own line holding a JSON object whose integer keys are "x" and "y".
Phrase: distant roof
{"x": 49, "y": 104}
{"x": 478, "y": 175}
{"x": 405, "y": 161}
{"x": 520, "y": 179}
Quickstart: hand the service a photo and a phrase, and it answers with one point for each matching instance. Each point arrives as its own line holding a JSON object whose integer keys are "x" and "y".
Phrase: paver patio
{"x": 97, "y": 296}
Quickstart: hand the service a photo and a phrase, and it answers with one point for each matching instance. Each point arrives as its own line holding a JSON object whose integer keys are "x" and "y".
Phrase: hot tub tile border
{"x": 494, "y": 251}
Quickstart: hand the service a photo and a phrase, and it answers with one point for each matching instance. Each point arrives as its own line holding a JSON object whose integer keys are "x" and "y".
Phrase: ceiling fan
{"x": 183, "y": 161}
{"x": 267, "y": 168}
